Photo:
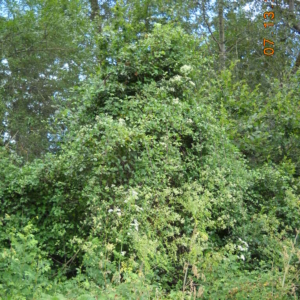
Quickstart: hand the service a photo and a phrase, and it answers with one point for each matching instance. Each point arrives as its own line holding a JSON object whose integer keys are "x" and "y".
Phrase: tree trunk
{"x": 296, "y": 26}
{"x": 297, "y": 64}
{"x": 221, "y": 34}
{"x": 291, "y": 6}
{"x": 95, "y": 9}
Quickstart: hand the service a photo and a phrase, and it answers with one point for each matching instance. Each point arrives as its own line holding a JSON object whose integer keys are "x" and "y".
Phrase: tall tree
{"x": 45, "y": 47}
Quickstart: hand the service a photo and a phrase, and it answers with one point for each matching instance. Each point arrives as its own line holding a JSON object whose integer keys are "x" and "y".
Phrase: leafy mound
{"x": 148, "y": 196}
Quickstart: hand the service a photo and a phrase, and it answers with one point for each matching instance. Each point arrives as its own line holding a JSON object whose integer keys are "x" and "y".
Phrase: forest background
{"x": 149, "y": 149}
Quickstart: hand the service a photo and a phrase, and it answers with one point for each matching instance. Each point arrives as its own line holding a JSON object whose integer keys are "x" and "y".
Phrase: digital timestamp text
{"x": 268, "y": 44}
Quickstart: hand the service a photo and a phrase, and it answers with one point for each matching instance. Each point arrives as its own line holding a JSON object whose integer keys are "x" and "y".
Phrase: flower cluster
{"x": 176, "y": 78}
{"x": 135, "y": 224}
{"x": 244, "y": 247}
{"x": 116, "y": 210}
{"x": 134, "y": 195}
{"x": 186, "y": 69}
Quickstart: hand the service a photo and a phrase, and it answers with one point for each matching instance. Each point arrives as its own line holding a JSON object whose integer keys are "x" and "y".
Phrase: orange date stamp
{"x": 269, "y": 16}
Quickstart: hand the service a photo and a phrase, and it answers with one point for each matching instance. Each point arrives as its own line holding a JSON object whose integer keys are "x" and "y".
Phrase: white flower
{"x": 175, "y": 101}
{"x": 121, "y": 121}
{"x": 189, "y": 121}
{"x": 186, "y": 69}
{"x": 135, "y": 224}
{"x": 138, "y": 208}
{"x": 242, "y": 257}
{"x": 176, "y": 78}
{"x": 116, "y": 210}
{"x": 134, "y": 193}
{"x": 242, "y": 249}
{"x": 123, "y": 253}
{"x": 244, "y": 242}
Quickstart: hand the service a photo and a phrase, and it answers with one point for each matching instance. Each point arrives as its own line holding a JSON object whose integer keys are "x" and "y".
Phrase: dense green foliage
{"x": 170, "y": 179}
{"x": 45, "y": 46}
